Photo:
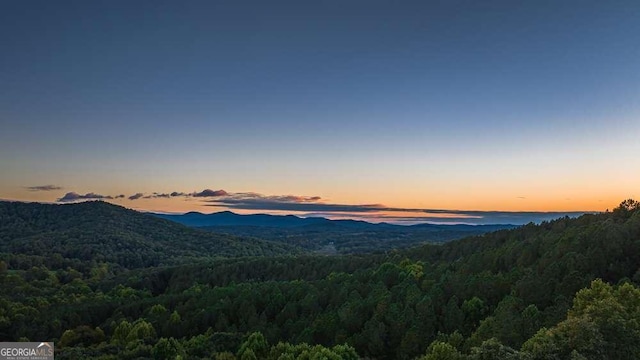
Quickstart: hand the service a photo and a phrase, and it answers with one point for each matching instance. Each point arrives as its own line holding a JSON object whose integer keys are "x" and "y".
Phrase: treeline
{"x": 504, "y": 295}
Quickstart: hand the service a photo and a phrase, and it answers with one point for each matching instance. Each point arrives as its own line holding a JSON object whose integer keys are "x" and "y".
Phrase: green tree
{"x": 247, "y": 354}
{"x": 141, "y": 330}
{"x": 158, "y": 310}
{"x": 167, "y": 349}
{"x": 453, "y": 318}
{"x": 121, "y": 333}
{"x": 83, "y": 335}
{"x": 439, "y": 350}
{"x": 474, "y": 311}
{"x": 255, "y": 346}
{"x": 225, "y": 356}
{"x": 602, "y": 324}
{"x": 492, "y": 349}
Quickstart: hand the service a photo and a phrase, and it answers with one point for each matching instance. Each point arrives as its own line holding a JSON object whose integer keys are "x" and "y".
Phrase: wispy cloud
{"x": 288, "y": 203}
{"x": 252, "y": 196}
{"x": 206, "y": 193}
{"x": 43, "y": 188}
{"x": 136, "y": 196}
{"x": 73, "y": 196}
{"x": 156, "y": 195}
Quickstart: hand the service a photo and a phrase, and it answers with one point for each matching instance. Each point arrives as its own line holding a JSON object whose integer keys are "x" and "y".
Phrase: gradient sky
{"x": 467, "y": 105}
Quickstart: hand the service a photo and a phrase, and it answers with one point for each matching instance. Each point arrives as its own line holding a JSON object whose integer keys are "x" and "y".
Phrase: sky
{"x": 454, "y": 111}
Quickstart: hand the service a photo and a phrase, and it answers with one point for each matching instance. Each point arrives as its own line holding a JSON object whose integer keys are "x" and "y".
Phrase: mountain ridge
{"x": 327, "y": 236}
{"x": 229, "y": 218}
{"x": 104, "y": 232}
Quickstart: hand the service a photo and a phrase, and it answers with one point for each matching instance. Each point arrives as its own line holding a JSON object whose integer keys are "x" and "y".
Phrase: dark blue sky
{"x": 438, "y": 104}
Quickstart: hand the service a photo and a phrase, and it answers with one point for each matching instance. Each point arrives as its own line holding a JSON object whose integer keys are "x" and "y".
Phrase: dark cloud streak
{"x": 210, "y": 193}
{"x": 73, "y": 196}
{"x": 156, "y": 195}
{"x": 207, "y": 193}
{"x": 44, "y": 188}
{"x": 136, "y": 196}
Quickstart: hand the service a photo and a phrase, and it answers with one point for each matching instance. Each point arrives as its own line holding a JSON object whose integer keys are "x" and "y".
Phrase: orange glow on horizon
{"x": 486, "y": 201}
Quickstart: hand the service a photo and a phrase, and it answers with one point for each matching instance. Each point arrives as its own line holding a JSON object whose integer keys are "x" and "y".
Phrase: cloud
{"x": 255, "y": 201}
{"x": 156, "y": 195}
{"x": 220, "y": 194}
{"x": 121, "y": 196}
{"x": 230, "y": 197}
{"x": 73, "y": 196}
{"x": 136, "y": 196}
{"x": 251, "y": 196}
{"x": 43, "y": 188}
{"x": 471, "y": 218}
{"x": 207, "y": 193}
{"x": 394, "y": 219}
{"x": 289, "y": 204}
{"x": 210, "y": 193}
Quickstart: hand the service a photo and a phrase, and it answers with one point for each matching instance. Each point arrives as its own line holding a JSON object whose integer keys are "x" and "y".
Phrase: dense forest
{"x": 340, "y": 239}
{"x": 564, "y": 289}
{"x": 90, "y": 233}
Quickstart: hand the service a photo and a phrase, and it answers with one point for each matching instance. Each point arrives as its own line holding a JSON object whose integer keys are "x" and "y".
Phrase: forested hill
{"x": 31, "y": 233}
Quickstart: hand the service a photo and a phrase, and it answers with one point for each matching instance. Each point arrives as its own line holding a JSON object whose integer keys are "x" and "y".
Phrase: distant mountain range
{"x": 322, "y": 235}
{"x": 228, "y": 218}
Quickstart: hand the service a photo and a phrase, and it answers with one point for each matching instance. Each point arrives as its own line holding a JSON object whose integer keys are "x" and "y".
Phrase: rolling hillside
{"x": 102, "y": 232}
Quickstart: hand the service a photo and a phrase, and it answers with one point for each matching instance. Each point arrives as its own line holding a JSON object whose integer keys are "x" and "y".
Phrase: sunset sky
{"x": 375, "y": 110}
